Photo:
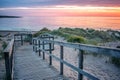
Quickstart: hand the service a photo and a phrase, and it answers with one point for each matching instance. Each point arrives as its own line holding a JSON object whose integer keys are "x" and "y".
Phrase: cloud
{"x": 31, "y": 3}
{"x": 62, "y": 11}
{"x": 27, "y": 3}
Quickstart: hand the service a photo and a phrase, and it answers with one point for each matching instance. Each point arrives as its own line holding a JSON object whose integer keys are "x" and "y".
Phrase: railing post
{"x": 50, "y": 57}
{"x": 80, "y": 64}
{"x": 7, "y": 65}
{"x": 36, "y": 45}
{"x": 21, "y": 39}
{"x": 53, "y": 43}
{"x": 12, "y": 66}
{"x": 39, "y": 47}
{"x": 43, "y": 49}
{"x": 33, "y": 44}
{"x": 30, "y": 35}
{"x": 61, "y": 57}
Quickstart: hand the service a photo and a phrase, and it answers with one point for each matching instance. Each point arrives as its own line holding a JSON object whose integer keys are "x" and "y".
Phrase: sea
{"x": 37, "y": 23}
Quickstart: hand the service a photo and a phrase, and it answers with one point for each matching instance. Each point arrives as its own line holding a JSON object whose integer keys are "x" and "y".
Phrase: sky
{"x": 60, "y": 7}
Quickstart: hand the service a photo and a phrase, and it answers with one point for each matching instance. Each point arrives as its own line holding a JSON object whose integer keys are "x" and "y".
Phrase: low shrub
{"x": 115, "y": 61}
{"x": 76, "y": 39}
{"x": 61, "y": 34}
{"x": 44, "y": 30}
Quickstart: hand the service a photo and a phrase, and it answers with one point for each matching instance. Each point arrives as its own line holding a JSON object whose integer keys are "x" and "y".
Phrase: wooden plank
{"x": 8, "y": 54}
{"x": 33, "y": 45}
{"x": 39, "y": 47}
{"x": 61, "y": 57}
{"x": 7, "y": 66}
{"x": 19, "y": 34}
{"x": 80, "y": 64}
{"x": 50, "y": 57}
{"x": 43, "y": 49}
{"x": 9, "y": 46}
{"x": 30, "y": 35}
{"x": 21, "y": 40}
{"x": 28, "y": 66}
{"x": 36, "y": 45}
{"x": 45, "y": 37}
{"x": 114, "y": 52}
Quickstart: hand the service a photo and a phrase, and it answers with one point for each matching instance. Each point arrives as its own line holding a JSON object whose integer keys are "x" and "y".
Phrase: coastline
{"x": 1, "y": 16}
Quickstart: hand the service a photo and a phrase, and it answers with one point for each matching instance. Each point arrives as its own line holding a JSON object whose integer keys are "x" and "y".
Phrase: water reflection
{"x": 36, "y": 23}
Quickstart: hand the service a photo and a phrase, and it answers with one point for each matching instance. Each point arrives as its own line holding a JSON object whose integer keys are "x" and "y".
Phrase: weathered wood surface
{"x": 9, "y": 47}
{"x": 82, "y": 47}
{"x": 8, "y": 56}
{"x": 28, "y": 66}
{"x": 114, "y": 52}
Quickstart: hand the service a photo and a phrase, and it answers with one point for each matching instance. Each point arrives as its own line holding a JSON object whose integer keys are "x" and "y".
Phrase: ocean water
{"x": 37, "y": 23}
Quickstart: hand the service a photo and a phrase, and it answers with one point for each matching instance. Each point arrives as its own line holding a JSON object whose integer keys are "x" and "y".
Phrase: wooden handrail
{"x": 21, "y": 35}
{"x": 8, "y": 55}
{"x": 114, "y": 52}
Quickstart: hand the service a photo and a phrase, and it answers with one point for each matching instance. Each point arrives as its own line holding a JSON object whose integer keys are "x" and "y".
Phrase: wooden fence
{"x": 9, "y": 53}
{"x": 39, "y": 46}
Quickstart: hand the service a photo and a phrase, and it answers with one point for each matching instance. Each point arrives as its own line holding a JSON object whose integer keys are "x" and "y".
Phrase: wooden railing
{"x": 39, "y": 46}
{"x": 22, "y": 39}
{"x": 8, "y": 55}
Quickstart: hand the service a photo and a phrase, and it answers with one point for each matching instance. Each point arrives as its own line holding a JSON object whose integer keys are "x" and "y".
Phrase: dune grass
{"x": 86, "y": 36}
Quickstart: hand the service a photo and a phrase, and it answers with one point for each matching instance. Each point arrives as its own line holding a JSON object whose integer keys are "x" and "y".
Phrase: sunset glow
{"x": 67, "y": 11}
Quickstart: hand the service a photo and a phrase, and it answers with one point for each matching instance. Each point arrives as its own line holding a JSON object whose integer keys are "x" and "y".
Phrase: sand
{"x": 98, "y": 66}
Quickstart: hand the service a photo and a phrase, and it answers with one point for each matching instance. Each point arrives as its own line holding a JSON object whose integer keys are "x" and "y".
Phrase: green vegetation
{"x": 4, "y": 45}
{"x": 91, "y": 36}
{"x": 86, "y": 36}
{"x": 67, "y": 36}
{"x": 115, "y": 61}
{"x": 44, "y": 30}
{"x": 76, "y": 39}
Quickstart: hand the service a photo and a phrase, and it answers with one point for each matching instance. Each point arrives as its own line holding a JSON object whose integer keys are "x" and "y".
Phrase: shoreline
{"x": 3, "y": 16}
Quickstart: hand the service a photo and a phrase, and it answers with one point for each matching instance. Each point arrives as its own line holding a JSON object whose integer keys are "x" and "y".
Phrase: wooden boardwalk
{"x": 29, "y": 66}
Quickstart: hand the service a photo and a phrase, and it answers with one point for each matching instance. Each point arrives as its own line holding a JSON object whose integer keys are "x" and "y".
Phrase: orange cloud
{"x": 77, "y": 11}
{"x": 67, "y": 11}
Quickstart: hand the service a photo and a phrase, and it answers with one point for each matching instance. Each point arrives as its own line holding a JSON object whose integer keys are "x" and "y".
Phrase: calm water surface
{"x": 36, "y": 23}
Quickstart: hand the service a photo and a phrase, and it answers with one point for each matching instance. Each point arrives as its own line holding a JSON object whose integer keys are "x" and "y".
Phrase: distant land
{"x": 4, "y": 16}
